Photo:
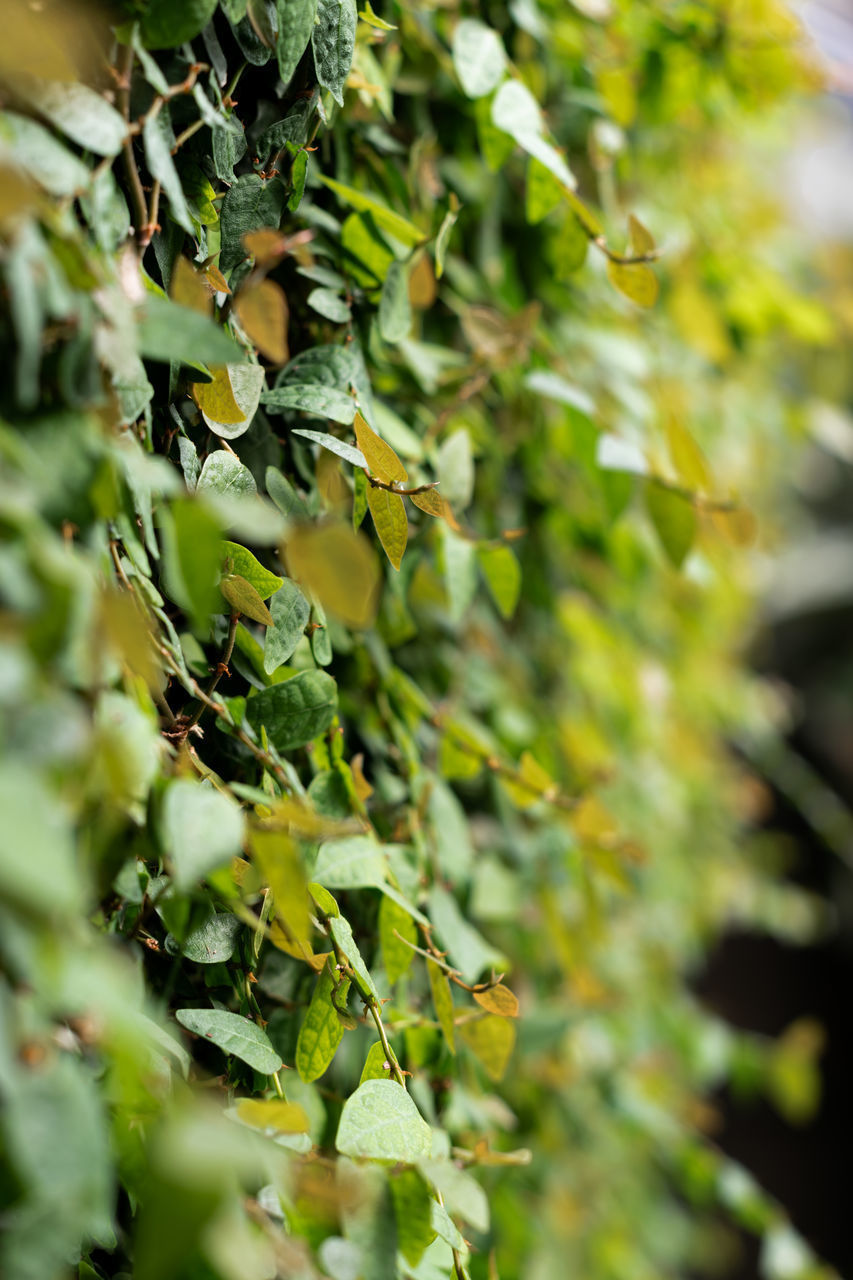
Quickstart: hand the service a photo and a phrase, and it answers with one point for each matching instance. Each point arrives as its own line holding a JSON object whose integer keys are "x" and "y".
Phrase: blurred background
{"x": 804, "y": 791}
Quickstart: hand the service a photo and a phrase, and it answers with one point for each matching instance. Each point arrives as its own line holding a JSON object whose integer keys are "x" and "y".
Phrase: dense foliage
{"x": 359, "y": 836}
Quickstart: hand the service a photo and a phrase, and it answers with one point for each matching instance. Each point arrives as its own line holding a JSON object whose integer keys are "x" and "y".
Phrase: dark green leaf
{"x": 333, "y": 42}
{"x": 167, "y": 332}
{"x": 290, "y": 612}
{"x": 295, "y": 26}
{"x": 296, "y": 711}
{"x": 323, "y": 402}
{"x": 165, "y": 24}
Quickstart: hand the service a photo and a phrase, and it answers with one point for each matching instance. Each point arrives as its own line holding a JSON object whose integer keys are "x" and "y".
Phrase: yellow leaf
{"x": 267, "y": 245}
{"x": 381, "y": 458}
{"x": 642, "y": 240}
{"x": 422, "y": 286}
{"x": 635, "y": 280}
{"x": 591, "y": 821}
{"x": 216, "y": 398}
{"x": 262, "y": 311}
{"x": 17, "y": 193}
{"x": 339, "y": 566}
{"x": 125, "y": 627}
{"x": 277, "y": 858}
{"x": 492, "y": 1040}
{"x": 389, "y": 519}
{"x": 531, "y": 784}
{"x": 286, "y": 1117}
{"x": 216, "y": 279}
{"x": 498, "y": 1000}
{"x": 739, "y": 527}
{"x": 431, "y": 502}
{"x": 188, "y": 287}
{"x": 687, "y": 458}
{"x": 244, "y": 598}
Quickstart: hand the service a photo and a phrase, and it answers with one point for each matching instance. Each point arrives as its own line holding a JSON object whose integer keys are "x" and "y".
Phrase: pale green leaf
{"x": 381, "y": 1122}
{"x": 478, "y": 57}
{"x": 333, "y": 42}
{"x": 201, "y": 830}
{"x": 323, "y": 402}
{"x": 352, "y": 863}
{"x": 234, "y": 1035}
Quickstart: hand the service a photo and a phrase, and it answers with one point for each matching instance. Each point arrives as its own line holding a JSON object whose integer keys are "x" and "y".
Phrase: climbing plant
{"x": 391, "y": 407}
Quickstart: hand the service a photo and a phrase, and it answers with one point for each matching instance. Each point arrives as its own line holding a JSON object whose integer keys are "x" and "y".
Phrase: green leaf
{"x": 321, "y": 1031}
{"x": 330, "y": 304}
{"x": 234, "y": 1035}
{"x": 478, "y": 57}
{"x": 225, "y": 475}
{"x": 165, "y": 24}
{"x": 214, "y": 941}
{"x": 323, "y": 900}
{"x": 542, "y": 193}
{"x": 389, "y": 519}
{"x": 442, "y": 1000}
{"x": 167, "y": 331}
{"x": 158, "y": 140}
{"x": 323, "y": 402}
{"x": 381, "y": 1122}
{"x": 340, "y": 930}
{"x": 375, "y": 1064}
{"x": 237, "y": 559}
{"x": 502, "y": 572}
{"x": 674, "y": 519}
{"x": 462, "y": 1195}
{"x": 190, "y": 535}
{"x": 466, "y": 949}
{"x": 295, "y": 25}
{"x": 396, "y": 956}
{"x": 516, "y": 112}
{"x": 348, "y": 452}
{"x": 290, "y": 613}
{"x": 79, "y": 112}
{"x": 38, "y": 871}
{"x": 442, "y": 240}
{"x": 42, "y": 156}
{"x": 367, "y": 256}
{"x": 283, "y": 494}
{"x": 244, "y": 599}
{"x": 201, "y": 829}
{"x": 251, "y": 203}
{"x": 353, "y": 863}
{"x": 333, "y": 42}
{"x": 398, "y": 227}
{"x": 413, "y": 1210}
{"x": 296, "y": 711}
{"x": 395, "y": 311}
{"x": 635, "y": 280}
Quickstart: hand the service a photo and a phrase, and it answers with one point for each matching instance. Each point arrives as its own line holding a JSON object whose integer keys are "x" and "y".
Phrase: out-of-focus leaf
{"x": 262, "y": 311}
{"x": 442, "y": 1001}
{"x": 398, "y": 227}
{"x": 502, "y": 572}
{"x": 396, "y": 956}
{"x": 166, "y": 25}
{"x": 201, "y": 829}
{"x": 169, "y": 332}
{"x": 491, "y": 1040}
{"x": 412, "y": 1207}
{"x": 499, "y": 1000}
{"x": 269, "y": 1113}
{"x": 674, "y": 519}
{"x": 478, "y": 57}
{"x": 355, "y": 862}
{"x": 337, "y": 565}
{"x": 636, "y": 280}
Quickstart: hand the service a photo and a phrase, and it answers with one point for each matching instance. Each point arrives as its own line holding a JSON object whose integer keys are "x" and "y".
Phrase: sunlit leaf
{"x": 491, "y": 1039}
{"x": 635, "y": 280}
{"x": 339, "y": 566}
{"x": 381, "y": 1122}
{"x": 389, "y": 519}
{"x": 234, "y": 1035}
{"x": 498, "y": 999}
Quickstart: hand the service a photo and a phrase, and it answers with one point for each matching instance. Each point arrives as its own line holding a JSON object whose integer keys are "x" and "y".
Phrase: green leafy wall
{"x": 390, "y": 409}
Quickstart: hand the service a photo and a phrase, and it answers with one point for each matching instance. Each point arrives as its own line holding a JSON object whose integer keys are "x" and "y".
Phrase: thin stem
{"x": 221, "y": 669}
{"x": 137, "y": 195}
{"x": 390, "y": 1056}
